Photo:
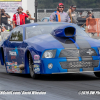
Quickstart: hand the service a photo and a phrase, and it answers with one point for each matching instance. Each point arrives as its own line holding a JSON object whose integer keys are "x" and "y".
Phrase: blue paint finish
{"x": 81, "y": 70}
{"x": 60, "y": 31}
{"x": 2, "y": 63}
{"x": 58, "y": 53}
{"x": 0, "y": 54}
{"x": 96, "y": 57}
{"x": 80, "y": 59}
{"x": 56, "y": 66}
{"x": 40, "y": 43}
{"x": 56, "y": 16}
{"x": 27, "y": 71}
{"x": 96, "y": 49}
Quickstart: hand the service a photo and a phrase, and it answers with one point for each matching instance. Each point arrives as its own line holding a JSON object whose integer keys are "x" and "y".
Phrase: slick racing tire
{"x": 31, "y": 67}
{"x": 97, "y": 74}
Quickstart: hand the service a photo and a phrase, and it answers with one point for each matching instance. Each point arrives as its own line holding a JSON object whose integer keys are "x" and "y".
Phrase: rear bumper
{"x": 57, "y": 67}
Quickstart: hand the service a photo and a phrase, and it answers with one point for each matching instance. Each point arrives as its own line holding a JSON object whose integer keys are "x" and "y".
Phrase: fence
{"x": 47, "y": 12}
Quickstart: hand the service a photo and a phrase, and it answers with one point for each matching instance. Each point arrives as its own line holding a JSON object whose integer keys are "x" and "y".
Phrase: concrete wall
{"x": 29, "y": 5}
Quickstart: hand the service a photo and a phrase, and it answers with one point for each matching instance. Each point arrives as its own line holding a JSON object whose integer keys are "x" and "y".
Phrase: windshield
{"x": 80, "y": 31}
{"x": 47, "y": 29}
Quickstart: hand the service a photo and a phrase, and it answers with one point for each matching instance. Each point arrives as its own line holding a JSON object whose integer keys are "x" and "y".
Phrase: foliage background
{"x": 52, "y": 4}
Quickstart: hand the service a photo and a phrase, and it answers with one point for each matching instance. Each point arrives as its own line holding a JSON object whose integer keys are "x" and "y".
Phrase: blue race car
{"x": 50, "y": 48}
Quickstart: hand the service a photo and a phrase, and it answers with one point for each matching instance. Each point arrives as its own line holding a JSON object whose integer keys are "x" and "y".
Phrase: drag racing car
{"x": 50, "y": 48}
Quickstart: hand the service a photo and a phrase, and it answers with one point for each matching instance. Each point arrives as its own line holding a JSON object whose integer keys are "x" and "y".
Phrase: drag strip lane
{"x": 62, "y": 86}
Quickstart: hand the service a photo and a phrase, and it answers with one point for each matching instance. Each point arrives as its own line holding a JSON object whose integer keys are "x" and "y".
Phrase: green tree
{"x": 52, "y": 4}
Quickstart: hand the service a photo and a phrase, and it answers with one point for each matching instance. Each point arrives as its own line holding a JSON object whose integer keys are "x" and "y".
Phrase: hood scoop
{"x": 68, "y": 32}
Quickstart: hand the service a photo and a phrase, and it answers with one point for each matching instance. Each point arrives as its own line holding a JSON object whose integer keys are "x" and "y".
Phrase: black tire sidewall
{"x": 31, "y": 67}
{"x": 97, "y": 74}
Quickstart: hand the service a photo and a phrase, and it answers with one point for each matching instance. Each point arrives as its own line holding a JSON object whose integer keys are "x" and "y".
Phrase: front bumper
{"x": 61, "y": 65}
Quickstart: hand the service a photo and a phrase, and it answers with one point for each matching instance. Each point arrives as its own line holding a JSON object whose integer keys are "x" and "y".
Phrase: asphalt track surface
{"x": 57, "y": 87}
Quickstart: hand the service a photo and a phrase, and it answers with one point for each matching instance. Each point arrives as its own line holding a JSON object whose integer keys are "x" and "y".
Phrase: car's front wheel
{"x": 31, "y": 67}
{"x": 97, "y": 74}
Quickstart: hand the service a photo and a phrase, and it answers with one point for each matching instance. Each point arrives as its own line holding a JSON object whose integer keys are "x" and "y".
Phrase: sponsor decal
{"x": 7, "y": 67}
{"x": 10, "y": 67}
{"x": 38, "y": 61}
{"x": 11, "y": 63}
{"x": 7, "y": 63}
{"x": 15, "y": 63}
{"x": 15, "y": 67}
{"x": 36, "y": 57}
{"x": 17, "y": 70}
{"x": 36, "y": 66}
{"x": 36, "y": 70}
{"x": 9, "y": 70}
{"x": 90, "y": 52}
{"x": 12, "y": 53}
{"x": 13, "y": 57}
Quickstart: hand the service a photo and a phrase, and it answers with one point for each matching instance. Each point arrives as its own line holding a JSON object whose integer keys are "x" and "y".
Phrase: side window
{"x": 17, "y": 34}
{"x": 32, "y": 31}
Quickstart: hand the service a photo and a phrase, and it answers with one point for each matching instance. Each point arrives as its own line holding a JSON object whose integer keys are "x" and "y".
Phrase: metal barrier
{"x": 47, "y": 12}
{"x": 93, "y": 25}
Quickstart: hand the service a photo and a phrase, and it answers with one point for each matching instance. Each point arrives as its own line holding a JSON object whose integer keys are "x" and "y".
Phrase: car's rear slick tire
{"x": 97, "y": 74}
{"x": 31, "y": 67}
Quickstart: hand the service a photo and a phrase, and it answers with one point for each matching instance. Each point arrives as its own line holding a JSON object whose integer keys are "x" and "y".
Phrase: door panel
{"x": 14, "y": 56}
{"x": 15, "y": 60}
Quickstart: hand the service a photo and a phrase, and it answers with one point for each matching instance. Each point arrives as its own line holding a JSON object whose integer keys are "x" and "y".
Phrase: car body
{"x": 49, "y": 48}
{"x": 46, "y": 19}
